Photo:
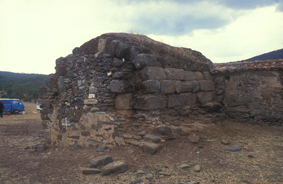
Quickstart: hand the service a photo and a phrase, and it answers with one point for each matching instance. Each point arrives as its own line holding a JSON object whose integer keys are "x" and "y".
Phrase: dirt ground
{"x": 259, "y": 161}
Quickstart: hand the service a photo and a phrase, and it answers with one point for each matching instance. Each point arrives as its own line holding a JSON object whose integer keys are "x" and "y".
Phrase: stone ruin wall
{"x": 111, "y": 85}
{"x": 252, "y": 96}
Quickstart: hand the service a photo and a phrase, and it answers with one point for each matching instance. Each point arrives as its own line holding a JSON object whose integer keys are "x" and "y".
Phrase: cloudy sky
{"x": 33, "y": 33}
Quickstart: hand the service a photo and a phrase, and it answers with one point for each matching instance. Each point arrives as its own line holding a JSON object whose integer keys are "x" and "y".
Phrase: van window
{"x": 15, "y": 102}
{"x": 6, "y": 101}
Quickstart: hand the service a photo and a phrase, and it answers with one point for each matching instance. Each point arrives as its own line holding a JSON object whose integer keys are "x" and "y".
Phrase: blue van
{"x": 13, "y": 106}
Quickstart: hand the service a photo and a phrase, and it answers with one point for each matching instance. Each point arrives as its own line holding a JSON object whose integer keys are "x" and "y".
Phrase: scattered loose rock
{"x": 136, "y": 181}
{"x": 176, "y": 122}
{"x": 225, "y": 142}
{"x": 151, "y": 148}
{"x": 133, "y": 142}
{"x": 140, "y": 172}
{"x": 127, "y": 136}
{"x": 120, "y": 141}
{"x": 194, "y": 138}
{"x": 165, "y": 173}
{"x": 149, "y": 177}
{"x": 141, "y": 133}
{"x": 88, "y": 171}
{"x": 164, "y": 131}
{"x": 182, "y": 166}
{"x": 101, "y": 148}
{"x": 115, "y": 168}
{"x": 234, "y": 148}
{"x": 137, "y": 137}
{"x": 152, "y": 138}
{"x": 197, "y": 168}
{"x": 101, "y": 160}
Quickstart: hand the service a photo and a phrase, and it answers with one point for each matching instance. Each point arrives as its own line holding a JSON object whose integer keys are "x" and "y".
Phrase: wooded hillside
{"x": 20, "y": 85}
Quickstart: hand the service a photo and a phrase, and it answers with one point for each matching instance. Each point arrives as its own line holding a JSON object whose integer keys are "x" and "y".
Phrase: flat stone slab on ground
{"x": 151, "y": 148}
{"x": 133, "y": 142}
{"x": 234, "y": 148}
{"x": 101, "y": 160}
{"x": 88, "y": 171}
{"x": 115, "y": 168}
{"x": 152, "y": 138}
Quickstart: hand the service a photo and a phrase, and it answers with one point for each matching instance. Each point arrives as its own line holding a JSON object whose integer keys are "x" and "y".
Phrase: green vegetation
{"x": 20, "y": 85}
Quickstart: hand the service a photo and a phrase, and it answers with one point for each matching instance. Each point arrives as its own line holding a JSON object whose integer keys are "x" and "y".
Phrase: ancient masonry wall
{"x": 92, "y": 95}
{"x": 120, "y": 83}
{"x": 251, "y": 96}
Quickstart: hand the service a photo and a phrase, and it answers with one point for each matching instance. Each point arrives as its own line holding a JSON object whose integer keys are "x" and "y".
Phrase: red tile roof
{"x": 246, "y": 65}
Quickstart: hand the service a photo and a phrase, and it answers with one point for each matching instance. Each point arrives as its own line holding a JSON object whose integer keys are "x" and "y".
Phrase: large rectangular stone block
{"x": 189, "y": 75}
{"x": 174, "y": 74}
{"x": 190, "y": 86}
{"x": 119, "y": 86}
{"x": 151, "y": 86}
{"x": 152, "y": 73}
{"x": 168, "y": 86}
{"x": 204, "y": 97}
{"x": 206, "y": 75}
{"x": 124, "y": 101}
{"x": 207, "y": 85}
{"x": 150, "y": 102}
{"x": 184, "y": 99}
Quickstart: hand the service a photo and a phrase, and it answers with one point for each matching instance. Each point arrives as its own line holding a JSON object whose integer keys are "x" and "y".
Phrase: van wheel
{"x": 16, "y": 111}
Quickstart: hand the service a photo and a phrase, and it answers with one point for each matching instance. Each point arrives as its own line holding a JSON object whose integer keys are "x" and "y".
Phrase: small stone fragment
{"x": 136, "y": 181}
{"x": 115, "y": 167}
{"x": 88, "y": 171}
{"x": 101, "y": 160}
{"x": 141, "y": 133}
{"x": 140, "y": 172}
{"x": 120, "y": 141}
{"x": 197, "y": 168}
{"x": 165, "y": 173}
{"x": 182, "y": 166}
{"x": 194, "y": 138}
{"x": 149, "y": 177}
{"x": 127, "y": 136}
{"x": 101, "y": 148}
{"x": 137, "y": 137}
{"x": 176, "y": 122}
{"x": 234, "y": 148}
{"x": 225, "y": 142}
{"x": 251, "y": 156}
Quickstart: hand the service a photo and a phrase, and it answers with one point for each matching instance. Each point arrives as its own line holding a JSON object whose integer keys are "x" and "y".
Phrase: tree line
{"x": 21, "y": 86}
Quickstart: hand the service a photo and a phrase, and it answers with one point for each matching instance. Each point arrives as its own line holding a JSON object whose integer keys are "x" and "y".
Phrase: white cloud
{"x": 33, "y": 34}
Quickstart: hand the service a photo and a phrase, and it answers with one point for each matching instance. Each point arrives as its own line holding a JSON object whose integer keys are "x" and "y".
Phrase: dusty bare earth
{"x": 259, "y": 161}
